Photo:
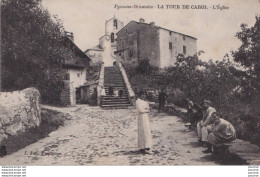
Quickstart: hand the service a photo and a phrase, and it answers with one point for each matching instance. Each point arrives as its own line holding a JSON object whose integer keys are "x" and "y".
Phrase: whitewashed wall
{"x": 167, "y": 56}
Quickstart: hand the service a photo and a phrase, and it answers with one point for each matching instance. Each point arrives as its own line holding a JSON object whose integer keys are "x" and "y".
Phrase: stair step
{"x": 113, "y": 97}
{"x": 115, "y": 100}
{"x": 115, "y": 86}
{"x": 121, "y": 88}
{"x": 113, "y": 77}
{"x": 120, "y": 101}
{"x": 113, "y": 82}
{"x": 116, "y": 105}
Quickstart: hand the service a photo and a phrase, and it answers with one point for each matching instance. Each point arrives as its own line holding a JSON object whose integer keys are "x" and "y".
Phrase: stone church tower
{"x": 112, "y": 26}
{"x": 104, "y": 52}
{"x": 108, "y": 41}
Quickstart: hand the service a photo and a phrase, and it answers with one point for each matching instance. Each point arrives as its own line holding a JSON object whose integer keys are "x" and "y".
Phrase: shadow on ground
{"x": 133, "y": 152}
{"x": 223, "y": 159}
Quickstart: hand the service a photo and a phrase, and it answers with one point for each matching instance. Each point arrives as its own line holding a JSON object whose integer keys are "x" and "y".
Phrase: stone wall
{"x": 130, "y": 91}
{"x": 19, "y": 111}
{"x": 138, "y": 41}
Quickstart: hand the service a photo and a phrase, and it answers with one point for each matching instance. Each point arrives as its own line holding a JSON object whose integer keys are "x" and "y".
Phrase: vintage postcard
{"x": 128, "y": 82}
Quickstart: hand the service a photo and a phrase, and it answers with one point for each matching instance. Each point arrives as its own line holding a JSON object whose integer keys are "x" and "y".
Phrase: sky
{"x": 214, "y": 29}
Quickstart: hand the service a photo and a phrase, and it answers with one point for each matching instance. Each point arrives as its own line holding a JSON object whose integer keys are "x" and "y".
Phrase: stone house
{"x": 140, "y": 40}
{"x": 86, "y": 91}
{"x": 76, "y": 69}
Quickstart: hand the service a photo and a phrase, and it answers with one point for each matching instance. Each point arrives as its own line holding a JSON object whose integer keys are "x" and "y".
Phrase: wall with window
{"x": 172, "y": 44}
{"x": 112, "y": 26}
{"x": 138, "y": 41}
{"x": 77, "y": 76}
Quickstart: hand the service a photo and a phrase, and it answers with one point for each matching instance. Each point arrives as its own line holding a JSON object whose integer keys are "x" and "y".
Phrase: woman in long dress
{"x": 144, "y": 130}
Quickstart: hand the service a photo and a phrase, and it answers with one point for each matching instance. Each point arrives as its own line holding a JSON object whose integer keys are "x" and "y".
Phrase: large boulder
{"x": 19, "y": 111}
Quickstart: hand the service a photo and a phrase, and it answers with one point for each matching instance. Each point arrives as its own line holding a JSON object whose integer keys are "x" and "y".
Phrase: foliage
{"x": 143, "y": 66}
{"x": 32, "y": 49}
{"x": 93, "y": 99}
{"x": 233, "y": 90}
{"x": 93, "y": 71}
{"x": 248, "y": 55}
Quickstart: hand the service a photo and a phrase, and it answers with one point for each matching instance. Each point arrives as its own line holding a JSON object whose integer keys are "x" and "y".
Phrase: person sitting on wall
{"x": 189, "y": 110}
{"x": 223, "y": 132}
{"x": 114, "y": 64}
{"x": 205, "y": 124}
{"x": 121, "y": 93}
{"x": 116, "y": 92}
{"x": 103, "y": 91}
{"x": 161, "y": 99}
{"x": 197, "y": 114}
{"x": 102, "y": 94}
{"x": 110, "y": 90}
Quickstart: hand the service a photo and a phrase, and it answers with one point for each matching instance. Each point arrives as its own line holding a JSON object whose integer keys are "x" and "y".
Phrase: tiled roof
{"x": 97, "y": 48}
{"x": 157, "y": 27}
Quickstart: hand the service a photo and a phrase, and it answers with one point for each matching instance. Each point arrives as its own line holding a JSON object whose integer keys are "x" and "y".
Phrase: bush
{"x": 218, "y": 81}
{"x": 93, "y": 99}
{"x": 177, "y": 97}
{"x": 32, "y": 49}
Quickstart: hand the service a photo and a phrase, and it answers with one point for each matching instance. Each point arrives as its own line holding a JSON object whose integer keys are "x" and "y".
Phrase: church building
{"x": 104, "y": 51}
{"x": 140, "y": 40}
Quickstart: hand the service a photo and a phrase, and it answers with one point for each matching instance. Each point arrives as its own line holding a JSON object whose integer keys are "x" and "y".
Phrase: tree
{"x": 32, "y": 48}
{"x": 248, "y": 55}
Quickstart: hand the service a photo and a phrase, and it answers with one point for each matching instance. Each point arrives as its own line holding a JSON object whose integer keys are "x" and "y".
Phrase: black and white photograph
{"x": 130, "y": 83}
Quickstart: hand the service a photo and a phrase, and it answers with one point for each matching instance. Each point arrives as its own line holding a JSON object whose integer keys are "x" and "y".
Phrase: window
{"x": 112, "y": 37}
{"x": 78, "y": 74}
{"x": 170, "y": 45}
{"x": 184, "y": 49}
{"x": 115, "y": 23}
{"x": 170, "y": 33}
{"x": 126, "y": 30}
{"x": 184, "y": 38}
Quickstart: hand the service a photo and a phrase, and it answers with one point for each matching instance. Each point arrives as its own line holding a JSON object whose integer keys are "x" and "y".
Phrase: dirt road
{"x": 109, "y": 137}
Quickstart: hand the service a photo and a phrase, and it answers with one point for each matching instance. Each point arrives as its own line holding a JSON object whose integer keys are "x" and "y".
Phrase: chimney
{"x": 69, "y": 35}
{"x": 152, "y": 24}
{"x": 141, "y": 20}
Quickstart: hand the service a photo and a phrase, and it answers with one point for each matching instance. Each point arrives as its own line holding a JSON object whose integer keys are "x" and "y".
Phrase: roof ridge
{"x": 158, "y": 27}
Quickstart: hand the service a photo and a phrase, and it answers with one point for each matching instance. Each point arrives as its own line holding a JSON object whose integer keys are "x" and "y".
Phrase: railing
{"x": 100, "y": 83}
{"x": 131, "y": 93}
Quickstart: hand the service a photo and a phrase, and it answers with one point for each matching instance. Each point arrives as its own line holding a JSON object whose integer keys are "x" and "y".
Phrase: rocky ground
{"x": 109, "y": 137}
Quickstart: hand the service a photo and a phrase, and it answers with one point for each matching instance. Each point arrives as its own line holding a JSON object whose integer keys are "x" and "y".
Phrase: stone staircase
{"x": 113, "y": 77}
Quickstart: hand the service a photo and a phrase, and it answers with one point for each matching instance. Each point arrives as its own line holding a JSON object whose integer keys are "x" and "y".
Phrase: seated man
{"x": 194, "y": 115}
{"x": 223, "y": 132}
{"x": 116, "y": 92}
{"x": 205, "y": 124}
{"x": 189, "y": 110}
{"x": 110, "y": 91}
{"x": 197, "y": 114}
{"x": 102, "y": 94}
{"x": 121, "y": 93}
